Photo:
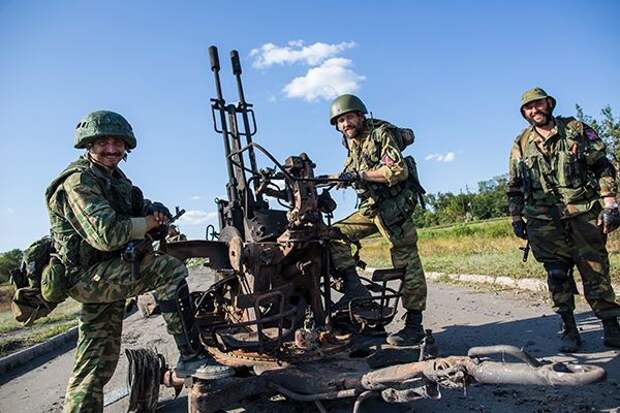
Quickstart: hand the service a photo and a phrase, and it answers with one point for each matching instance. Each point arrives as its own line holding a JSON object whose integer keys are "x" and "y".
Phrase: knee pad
{"x": 556, "y": 276}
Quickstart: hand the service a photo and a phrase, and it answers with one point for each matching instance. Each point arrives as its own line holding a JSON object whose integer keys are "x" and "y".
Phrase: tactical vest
{"x": 560, "y": 179}
{"x": 127, "y": 201}
{"x": 394, "y": 203}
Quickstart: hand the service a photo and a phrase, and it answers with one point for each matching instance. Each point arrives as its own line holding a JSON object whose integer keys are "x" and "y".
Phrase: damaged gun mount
{"x": 272, "y": 301}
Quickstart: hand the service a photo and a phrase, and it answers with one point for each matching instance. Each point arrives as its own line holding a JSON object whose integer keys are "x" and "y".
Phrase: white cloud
{"x": 448, "y": 157}
{"x": 8, "y": 211}
{"x": 330, "y": 79}
{"x": 270, "y": 54}
{"x": 196, "y": 197}
{"x": 197, "y": 217}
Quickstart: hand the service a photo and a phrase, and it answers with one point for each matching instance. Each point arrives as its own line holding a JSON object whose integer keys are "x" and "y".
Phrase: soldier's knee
{"x": 557, "y": 275}
{"x": 172, "y": 267}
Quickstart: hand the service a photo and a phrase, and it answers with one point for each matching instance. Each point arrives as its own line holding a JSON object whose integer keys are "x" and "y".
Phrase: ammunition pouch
{"x": 28, "y": 305}
{"x": 54, "y": 284}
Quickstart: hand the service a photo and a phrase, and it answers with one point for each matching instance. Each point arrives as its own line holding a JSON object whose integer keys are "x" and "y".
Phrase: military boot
{"x": 413, "y": 332}
{"x": 570, "y": 340}
{"x": 353, "y": 288}
{"x": 198, "y": 363}
{"x": 611, "y": 332}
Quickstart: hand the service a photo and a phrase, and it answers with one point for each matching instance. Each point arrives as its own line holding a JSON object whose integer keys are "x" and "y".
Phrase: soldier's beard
{"x": 546, "y": 119}
{"x": 353, "y": 132}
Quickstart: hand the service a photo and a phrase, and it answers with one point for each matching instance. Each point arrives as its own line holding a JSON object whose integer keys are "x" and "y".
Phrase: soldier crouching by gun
{"x": 388, "y": 188}
{"x": 95, "y": 212}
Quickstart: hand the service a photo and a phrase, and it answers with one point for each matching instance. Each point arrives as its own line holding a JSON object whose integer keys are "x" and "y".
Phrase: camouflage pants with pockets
{"x": 403, "y": 251}
{"x": 580, "y": 242}
{"x": 102, "y": 290}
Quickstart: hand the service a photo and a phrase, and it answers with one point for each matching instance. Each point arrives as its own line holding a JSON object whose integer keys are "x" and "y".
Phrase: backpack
{"x": 404, "y": 137}
{"x": 39, "y": 282}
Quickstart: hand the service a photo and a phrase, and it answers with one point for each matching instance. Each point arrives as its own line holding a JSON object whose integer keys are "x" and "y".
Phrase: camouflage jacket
{"x": 376, "y": 150}
{"x": 93, "y": 212}
{"x": 567, "y": 173}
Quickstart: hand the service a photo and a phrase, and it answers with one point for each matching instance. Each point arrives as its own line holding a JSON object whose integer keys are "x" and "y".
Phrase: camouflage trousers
{"x": 102, "y": 290}
{"x": 579, "y": 242}
{"x": 403, "y": 251}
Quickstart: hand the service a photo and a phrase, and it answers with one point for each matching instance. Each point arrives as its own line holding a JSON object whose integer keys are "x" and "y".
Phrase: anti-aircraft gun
{"x": 270, "y": 311}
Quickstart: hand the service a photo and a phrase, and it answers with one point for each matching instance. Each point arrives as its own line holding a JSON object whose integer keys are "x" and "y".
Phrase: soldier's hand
{"x": 519, "y": 228}
{"x": 608, "y": 220}
{"x": 155, "y": 220}
{"x": 349, "y": 178}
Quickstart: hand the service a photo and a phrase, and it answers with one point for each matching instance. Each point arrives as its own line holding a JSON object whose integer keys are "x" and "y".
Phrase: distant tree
{"x": 8, "y": 262}
{"x": 608, "y": 128}
{"x": 448, "y": 208}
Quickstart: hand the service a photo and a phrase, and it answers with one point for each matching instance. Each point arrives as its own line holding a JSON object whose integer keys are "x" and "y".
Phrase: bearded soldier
{"x": 95, "y": 211}
{"x": 564, "y": 186}
{"x": 388, "y": 189}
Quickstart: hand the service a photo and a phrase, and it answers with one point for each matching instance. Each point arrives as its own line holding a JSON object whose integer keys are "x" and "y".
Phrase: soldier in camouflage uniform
{"x": 94, "y": 212}
{"x": 562, "y": 183}
{"x": 381, "y": 176}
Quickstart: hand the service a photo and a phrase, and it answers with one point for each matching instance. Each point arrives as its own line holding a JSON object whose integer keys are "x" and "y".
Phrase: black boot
{"x": 570, "y": 340}
{"x": 198, "y": 363}
{"x": 353, "y": 288}
{"x": 611, "y": 332}
{"x": 413, "y": 332}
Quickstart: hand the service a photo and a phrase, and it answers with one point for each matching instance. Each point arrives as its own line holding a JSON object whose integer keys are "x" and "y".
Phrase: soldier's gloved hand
{"x": 519, "y": 228}
{"x": 158, "y": 207}
{"x": 349, "y": 178}
{"x": 608, "y": 220}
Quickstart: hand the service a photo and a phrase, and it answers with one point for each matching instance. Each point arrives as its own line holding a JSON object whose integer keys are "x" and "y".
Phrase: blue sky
{"x": 451, "y": 70}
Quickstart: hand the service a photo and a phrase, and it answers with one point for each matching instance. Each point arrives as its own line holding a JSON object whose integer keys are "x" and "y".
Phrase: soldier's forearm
{"x": 373, "y": 176}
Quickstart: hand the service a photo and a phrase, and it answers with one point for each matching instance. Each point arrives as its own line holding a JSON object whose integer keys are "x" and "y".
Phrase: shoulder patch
{"x": 387, "y": 160}
{"x": 590, "y": 133}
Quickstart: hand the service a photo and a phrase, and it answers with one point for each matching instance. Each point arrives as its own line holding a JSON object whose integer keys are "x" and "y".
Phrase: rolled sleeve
{"x": 392, "y": 165}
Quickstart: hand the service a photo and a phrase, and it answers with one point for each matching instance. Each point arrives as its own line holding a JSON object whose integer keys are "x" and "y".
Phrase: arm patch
{"x": 590, "y": 133}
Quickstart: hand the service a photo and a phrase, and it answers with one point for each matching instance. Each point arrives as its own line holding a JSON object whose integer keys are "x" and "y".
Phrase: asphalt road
{"x": 460, "y": 318}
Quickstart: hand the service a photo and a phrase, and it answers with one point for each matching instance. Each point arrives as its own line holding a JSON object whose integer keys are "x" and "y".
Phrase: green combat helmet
{"x": 533, "y": 95}
{"x": 103, "y": 123}
{"x": 345, "y": 104}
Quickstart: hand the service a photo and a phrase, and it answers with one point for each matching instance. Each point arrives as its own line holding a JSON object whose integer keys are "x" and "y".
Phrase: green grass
{"x": 13, "y": 336}
{"x": 65, "y": 311}
{"x": 14, "y": 343}
{"x": 485, "y": 247}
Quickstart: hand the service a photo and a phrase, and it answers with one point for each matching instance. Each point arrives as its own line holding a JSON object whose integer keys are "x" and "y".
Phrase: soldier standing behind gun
{"x": 380, "y": 173}
{"x": 558, "y": 176}
{"x": 95, "y": 211}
